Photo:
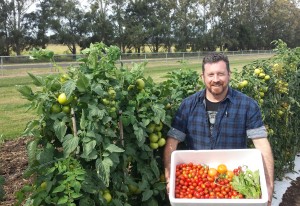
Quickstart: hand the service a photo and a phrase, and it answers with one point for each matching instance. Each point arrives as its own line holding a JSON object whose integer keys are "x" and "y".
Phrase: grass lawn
{"x": 13, "y": 116}
{"x": 13, "y": 108}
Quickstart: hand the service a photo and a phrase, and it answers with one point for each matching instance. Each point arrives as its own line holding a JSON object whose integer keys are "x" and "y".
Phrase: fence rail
{"x": 64, "y": 60}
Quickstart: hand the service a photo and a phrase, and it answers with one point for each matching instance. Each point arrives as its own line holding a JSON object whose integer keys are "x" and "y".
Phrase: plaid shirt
{"x": 238, "y": 117}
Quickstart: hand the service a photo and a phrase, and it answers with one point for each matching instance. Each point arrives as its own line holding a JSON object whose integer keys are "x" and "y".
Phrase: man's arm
{"x": 170, "y": 146}
{"x": 264, "y": 146}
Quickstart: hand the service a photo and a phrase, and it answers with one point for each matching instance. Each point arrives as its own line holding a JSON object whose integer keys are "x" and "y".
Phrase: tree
{"x": 118, "y": 19}
{"x": 14, "y": 19}
{"x": 184, "y": 14}
{"x": 136, "y": 33}
{"x": 282, "y": 22}
{"x": 4, "y": 42}
{"x": 158, "y": 24}
{"x": 38, "y": 22}
{"x": 67, "y": 22}
{"x": 100, "y": 27}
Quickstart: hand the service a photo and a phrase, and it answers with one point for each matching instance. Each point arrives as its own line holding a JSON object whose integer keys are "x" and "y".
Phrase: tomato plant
{"x": 100, "y": 128}
{"x": 274, "y": 84}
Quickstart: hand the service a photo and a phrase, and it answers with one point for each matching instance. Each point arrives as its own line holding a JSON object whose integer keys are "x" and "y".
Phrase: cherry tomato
{"x": 212, "y": 172}
{"x": 222, "y": 169}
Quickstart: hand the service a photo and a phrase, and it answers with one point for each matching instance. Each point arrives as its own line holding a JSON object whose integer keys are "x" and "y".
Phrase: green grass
{"x": 14, "y": 117}
{"x": 13, "y": 108}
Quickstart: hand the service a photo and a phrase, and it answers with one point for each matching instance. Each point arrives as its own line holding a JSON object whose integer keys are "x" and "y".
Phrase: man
{"x": 219, "y": 117}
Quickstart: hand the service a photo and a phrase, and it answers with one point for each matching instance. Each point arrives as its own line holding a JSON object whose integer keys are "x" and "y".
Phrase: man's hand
{"x": 170, "y": 146}
{"x": 167, "y": 176}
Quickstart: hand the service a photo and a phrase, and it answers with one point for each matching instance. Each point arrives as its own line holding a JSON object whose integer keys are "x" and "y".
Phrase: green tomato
{"x": 257, "y": 71}
{"x": 158, "y": 127}
{"x": 151, "y": 127}
{"x": 107, "y": 196}
{"x": 153, "y": 145}
{"x": 140, "y": 84}
{"x": 66, "y": 109}
{"x": 55, "y": 108}
{"x": 161, "y": 142}
{"x": 112, "y": 93}
{"x": 62, "y": 98}
{"x": 105, "y": 101}
{"x": 153, "y": 137}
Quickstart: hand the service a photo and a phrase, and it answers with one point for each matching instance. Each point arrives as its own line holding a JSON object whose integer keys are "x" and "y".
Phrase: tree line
{"x": 186, "y": 25}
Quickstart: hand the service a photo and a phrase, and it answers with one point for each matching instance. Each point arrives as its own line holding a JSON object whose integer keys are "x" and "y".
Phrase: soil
{"x": 13, "y": 162}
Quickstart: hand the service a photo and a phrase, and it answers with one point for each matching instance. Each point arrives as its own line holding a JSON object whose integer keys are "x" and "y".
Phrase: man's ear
{"x": 202, "y": 76}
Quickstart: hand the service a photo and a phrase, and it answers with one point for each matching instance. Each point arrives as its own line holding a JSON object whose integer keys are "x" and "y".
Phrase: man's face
{"x": 216, "y": 78}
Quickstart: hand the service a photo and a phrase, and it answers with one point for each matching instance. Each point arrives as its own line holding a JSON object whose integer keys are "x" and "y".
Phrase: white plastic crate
{"x": 232, "y": 159}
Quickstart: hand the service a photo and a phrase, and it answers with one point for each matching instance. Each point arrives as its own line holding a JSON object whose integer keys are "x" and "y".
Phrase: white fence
{"x": 23, "y": 62}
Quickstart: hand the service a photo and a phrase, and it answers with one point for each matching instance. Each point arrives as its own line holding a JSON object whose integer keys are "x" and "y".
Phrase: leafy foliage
{"x": 247, "y": 183}
{"x": 274, "y": 83}
{"x": 97, "y": 144}
{"x": 102, "y": 143}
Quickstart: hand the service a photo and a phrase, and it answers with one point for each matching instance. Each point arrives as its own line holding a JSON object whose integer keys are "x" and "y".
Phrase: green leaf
{"x": 98, "y": 89}
{"x": 62, "y": 200}
{"x": 82, "y": 83}
{"x": 47, "y": 154}
{"x": 128, "y": 118}
{"x": 60, "y": 129}
{"x": 95, "y": 112}
{"x": 113, "y": 148}
{"x": 147, "y": 195}
{"x": 83, "y": 121}
{"x": 76, "y": 195}
{"x": 154, "y": 167}
{"x": 103, "y": 169}
{"x": 70, "y": 143}
{"x": 69, "y": 87}
{"x": 159, "y": 113}
{"x": 139, "y": 133}
{"x": 76, "y": 186}
{"x": 88, "y": 147}
{"x": 30, "y": 126}
{"x": 37, "y": 80}
{"x": 31, "y": 151}
{"x": 59, "y": 188}
{"x": 159, "y": 186}
{"x": 26, "y": 92}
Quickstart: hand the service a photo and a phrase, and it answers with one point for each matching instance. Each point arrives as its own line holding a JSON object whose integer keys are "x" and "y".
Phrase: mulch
{"x": 13, "y": 162}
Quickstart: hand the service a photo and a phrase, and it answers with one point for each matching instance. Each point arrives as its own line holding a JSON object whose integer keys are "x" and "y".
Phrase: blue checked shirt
{"x": 238, "y": 117}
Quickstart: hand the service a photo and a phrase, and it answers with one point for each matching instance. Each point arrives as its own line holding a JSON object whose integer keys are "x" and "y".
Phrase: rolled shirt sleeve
{"x": 260, "y": 132}
{"x": 176, "y": 134}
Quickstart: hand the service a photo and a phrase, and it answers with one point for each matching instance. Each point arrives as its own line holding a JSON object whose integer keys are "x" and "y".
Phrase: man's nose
{"x": 216, "y": 78}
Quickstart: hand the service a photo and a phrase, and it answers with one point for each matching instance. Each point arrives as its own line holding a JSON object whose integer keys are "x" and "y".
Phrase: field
{"x": 13, "y": 108}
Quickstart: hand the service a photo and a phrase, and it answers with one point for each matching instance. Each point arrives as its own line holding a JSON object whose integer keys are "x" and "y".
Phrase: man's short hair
{"x": 215, "y": 57}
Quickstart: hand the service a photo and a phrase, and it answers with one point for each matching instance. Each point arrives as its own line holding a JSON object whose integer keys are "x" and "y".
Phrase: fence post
{"x": 166, "y": 57}
{"x": 2, "y": 66}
